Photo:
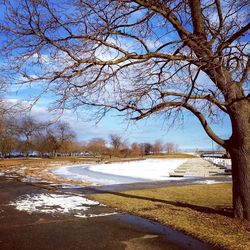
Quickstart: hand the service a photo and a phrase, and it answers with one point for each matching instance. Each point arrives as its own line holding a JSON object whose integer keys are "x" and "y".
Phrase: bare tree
{"x": 57, "y": 138}
{"x": 143, "y": 58}
{"x": 171, "y": 147}
{"x": 135, "y": 149}
{"x": 97, "y": 145}
{"x": 115, "y": 141}
{"x": 52, "y": 144}
{"x": 28, "y": 128}
{"x": 61, "y": 136}
{"x": 125, "y": 149}
{"x": 157, "y": 147}
{"x": 8, "y": 136}
{"x": 146, "y": 148}
{"x": 42, "y": 145}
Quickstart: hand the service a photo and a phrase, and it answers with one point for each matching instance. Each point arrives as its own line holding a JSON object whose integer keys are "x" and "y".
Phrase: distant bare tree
{"x": 97, "y": 145}
{"x": 41, "y": 144}
{"x": 58, "y": 138}
{"x": 3, "y": 105}
{"x": 28, "y": 128}
{"x": 146, "y": 148}
{"x": 125, "y": 149}
{"x": 157, "y": 147}
{"x": 8, "y": 136}
{"x": 115, "y": 141}
{"x": 170, "y": 147}
{"x": 135, "y": 149}
{"x": 143, "y": 58}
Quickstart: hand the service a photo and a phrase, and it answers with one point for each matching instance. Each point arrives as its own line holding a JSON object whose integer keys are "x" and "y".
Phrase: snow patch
{"x": 69, "y": 186}
{"x": 94, "y": 215}
{"x": 207, "y": 182}
{"x": 53, "y": 203}
{"x": 30, "y": 179}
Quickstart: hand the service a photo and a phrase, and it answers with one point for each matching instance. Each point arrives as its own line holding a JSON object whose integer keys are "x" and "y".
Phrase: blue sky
{"x": 188, "y": 134}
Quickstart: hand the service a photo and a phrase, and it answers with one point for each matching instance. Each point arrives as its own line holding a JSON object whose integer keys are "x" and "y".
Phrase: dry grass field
{"x": 203, "y": 211}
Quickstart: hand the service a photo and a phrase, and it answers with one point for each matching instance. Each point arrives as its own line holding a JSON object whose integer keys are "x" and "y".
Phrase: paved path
{"x": 21, "y": 230}
{"x": 197, "y": 167}
{"x": 153, "y": 184}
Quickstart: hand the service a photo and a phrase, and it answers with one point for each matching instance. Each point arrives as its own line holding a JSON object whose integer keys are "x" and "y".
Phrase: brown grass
{"x": 173, "y": 155}
{"x": 203, "y": 211}
{"x": 39, "y": 167}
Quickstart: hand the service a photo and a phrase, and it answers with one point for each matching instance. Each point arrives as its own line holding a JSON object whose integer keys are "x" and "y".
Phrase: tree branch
{"x": 235, "y": 36}
{"x": 165, "y": 11}
{"x": 219, "y": 11}
{"x": 205, "y": 125}
{"x": 199, "y": 115}
{"x": 209, "y": 98}
{"x": 245, "y": 72}
{"x": 197, "y": 19}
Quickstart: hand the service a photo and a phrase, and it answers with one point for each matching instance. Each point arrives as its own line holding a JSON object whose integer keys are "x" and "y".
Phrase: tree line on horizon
{"x": 119, "y": 147}
{"x": 26, "y": 136}
{"x": 23, "y": 135}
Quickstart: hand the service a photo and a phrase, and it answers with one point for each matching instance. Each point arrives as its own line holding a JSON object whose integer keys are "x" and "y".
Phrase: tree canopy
{"x": 142, "y": 57}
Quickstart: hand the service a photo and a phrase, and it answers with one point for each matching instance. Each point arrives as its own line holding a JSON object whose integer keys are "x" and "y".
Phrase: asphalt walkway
{"x": 22, "y": 230}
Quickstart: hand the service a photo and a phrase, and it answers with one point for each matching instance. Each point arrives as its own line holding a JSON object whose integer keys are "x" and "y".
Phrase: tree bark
{"x": 241, "y": 183}
{"x": 239, "y": 148}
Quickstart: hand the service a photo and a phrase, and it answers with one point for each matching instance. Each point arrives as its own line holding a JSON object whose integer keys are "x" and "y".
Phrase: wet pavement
{"x": 23, "y": 230}
{"x": 153, "y": 184}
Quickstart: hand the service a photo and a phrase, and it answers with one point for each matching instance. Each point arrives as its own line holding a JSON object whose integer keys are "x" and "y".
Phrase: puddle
{"x": 173, "y": 236}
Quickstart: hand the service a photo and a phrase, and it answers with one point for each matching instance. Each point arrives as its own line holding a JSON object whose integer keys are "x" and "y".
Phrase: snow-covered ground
{"x": 51, "y": 203}
{"x": 219, "y": 161}
{"x": 152, "y": 169}
{"x": 207, "y": 182}
{"x": 58, "y": 204}
{"x": 122, "y": 172}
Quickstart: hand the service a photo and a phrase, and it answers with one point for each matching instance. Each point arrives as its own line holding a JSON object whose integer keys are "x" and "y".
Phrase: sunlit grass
{"x": 13, "y": 161}
{"x": 172, "y": 155}
{"x": 203, "y": 211}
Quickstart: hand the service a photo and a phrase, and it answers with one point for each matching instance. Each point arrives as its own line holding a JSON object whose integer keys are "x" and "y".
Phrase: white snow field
{"x": 148, "y": 169}
{"x": 121, "y": 172}
{"x": 52, "y": 203}
{"x": 57, "y": 204}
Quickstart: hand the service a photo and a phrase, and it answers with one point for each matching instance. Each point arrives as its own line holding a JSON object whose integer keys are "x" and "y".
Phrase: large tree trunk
{"x": 241, "y": 183}
{"x": 239, "y": 149}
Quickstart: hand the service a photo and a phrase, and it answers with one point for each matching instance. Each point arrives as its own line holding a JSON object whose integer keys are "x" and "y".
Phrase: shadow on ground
{"x": 118, "y": 189}
{"x": 225, "y": 211}
{"x": 23, "y": 231}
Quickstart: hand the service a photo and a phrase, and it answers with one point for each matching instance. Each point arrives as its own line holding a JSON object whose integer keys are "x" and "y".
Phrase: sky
{"x": 188, "y": 133}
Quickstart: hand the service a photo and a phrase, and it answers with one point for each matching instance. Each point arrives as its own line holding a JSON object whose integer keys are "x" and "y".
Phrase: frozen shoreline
{"x": 121, "y": 172}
